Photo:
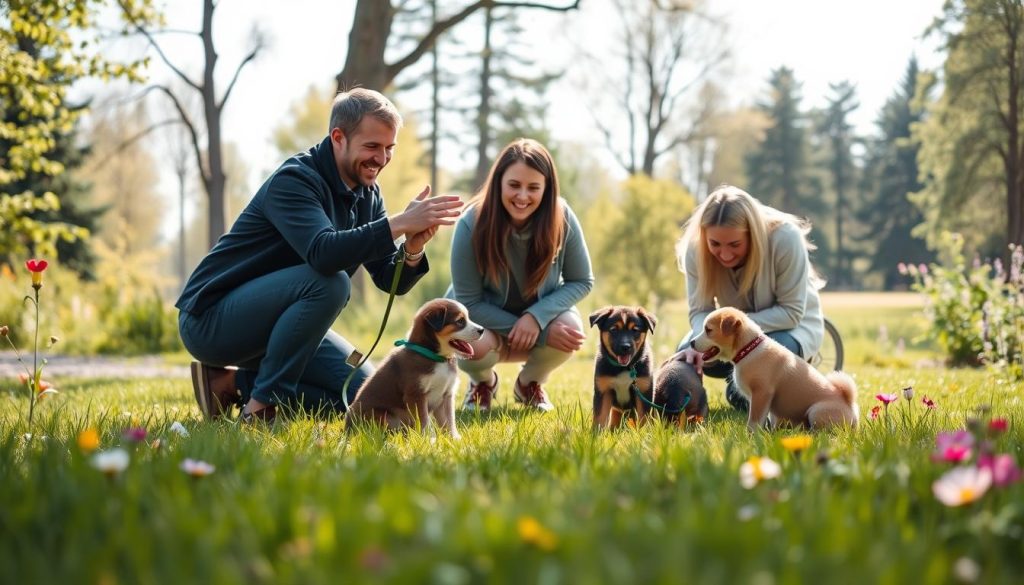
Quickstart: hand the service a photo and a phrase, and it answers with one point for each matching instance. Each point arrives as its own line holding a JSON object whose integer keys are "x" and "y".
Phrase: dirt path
{"x": 95, "y": 367}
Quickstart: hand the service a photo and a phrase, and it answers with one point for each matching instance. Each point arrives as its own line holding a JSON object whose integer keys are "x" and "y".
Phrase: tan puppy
{"x": 417, "y": 380}
{"x": 776, "y": 381}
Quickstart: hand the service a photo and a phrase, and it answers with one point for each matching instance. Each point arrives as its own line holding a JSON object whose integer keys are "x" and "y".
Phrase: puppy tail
{"x": 845, "y": 385}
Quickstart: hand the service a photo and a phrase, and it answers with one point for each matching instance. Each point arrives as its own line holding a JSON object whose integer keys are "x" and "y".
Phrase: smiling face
{"x": 728, "y": 245}
{"x": 522, "y": 190}
{"x": 361, "y": 156}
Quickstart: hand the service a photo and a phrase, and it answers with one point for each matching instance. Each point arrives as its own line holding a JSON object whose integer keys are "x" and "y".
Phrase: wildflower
{"x": 874, "y": 412}
{"x": 928, "y": 402}
{"x": 156, "y": 444}
{"x": 797, "y": 443}
{"x": 111, "y": 462}
{"x": 997, "y": 426}
{"x": 88, "y": 440}
{"x": 4, "y": 331}
{"x": 134, "y": 435}
{"x": 962, "y": 485}
{"x": 922, "y": 269}
{"x": 908, "y": 392}
{"x": 966, "y": 570}
{"x": 901, "y": 268}
{"x": 757, "y": 469}
{"x": 953, "y": 447}
{"x": 177, "y": 427}
{"x": 1003, "y": 468}
{"x": 53, "y": 340}
{"x": 197, "y": 468}
{"x": 533, "y": 532}
{"x": 44, "y": 392}
{"x": 886, "y": 399}
{"x": 36, "y": 267}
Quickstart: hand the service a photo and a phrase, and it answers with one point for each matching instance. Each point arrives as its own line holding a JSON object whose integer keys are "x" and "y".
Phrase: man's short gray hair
{"x": 350, "y": 106}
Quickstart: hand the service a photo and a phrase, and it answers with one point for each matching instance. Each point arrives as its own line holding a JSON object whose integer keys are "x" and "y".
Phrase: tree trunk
{"x": 215, "y": 178}
{"x": 483, "y": 114}
{"x": 364, "y": 63}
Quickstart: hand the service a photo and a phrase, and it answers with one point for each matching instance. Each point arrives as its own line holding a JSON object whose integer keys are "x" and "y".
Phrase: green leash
{"x": 360, "y": 359}
{"x": 636, "y": 391}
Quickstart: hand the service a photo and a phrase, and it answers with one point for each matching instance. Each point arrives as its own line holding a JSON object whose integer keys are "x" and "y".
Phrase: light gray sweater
{"x": 783, "y": 298}
{"x": 568, "y": 281}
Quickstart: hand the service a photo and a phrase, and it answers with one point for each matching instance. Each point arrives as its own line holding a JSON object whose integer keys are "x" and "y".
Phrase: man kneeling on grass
{"x": 264, "y": 298}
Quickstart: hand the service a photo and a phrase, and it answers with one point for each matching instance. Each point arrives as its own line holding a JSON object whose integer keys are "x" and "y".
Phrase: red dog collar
{"x": 747, "y": 349}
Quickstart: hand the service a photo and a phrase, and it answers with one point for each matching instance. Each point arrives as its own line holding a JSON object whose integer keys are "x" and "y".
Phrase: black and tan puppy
{"x": 417, "y": 380}
{"x": 624, "y": 366}
{"x": 679, "y": 392}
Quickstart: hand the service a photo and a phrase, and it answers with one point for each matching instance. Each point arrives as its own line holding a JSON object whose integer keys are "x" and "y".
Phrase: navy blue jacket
{"x": 303, "y": 213}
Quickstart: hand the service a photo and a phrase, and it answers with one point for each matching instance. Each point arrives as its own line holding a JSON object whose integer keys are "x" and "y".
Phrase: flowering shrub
{"x": 976, "y": 313}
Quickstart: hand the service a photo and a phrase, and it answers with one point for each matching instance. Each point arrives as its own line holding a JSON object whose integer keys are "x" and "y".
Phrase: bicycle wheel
{"x": 830, "y": 356}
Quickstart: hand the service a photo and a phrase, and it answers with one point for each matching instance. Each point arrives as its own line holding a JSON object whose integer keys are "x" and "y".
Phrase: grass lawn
{"x": 523, "y": 497}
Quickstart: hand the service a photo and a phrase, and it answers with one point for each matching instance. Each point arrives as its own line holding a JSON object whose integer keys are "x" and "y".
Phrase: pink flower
{"x": 887, "y": 399}
{"x": 922, "y": 269}
{"x": 997, "y": 426}
{"x": 953, "y": 447}
{"x": 874, "y": 412}
{"x": 134, "y": 435}
{"x": 1003, "y": 468}
{"x": 928, "y": 402}
{"x": 901, "y": 268}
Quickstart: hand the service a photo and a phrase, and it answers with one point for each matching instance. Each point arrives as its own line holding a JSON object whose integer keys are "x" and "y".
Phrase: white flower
{"x": 197, "y": 468}
{"x": 111, "y": 462}
{"x": 962, "y": 485}
{"x": 756, "y": 469}
{"x": 179, "y": 428}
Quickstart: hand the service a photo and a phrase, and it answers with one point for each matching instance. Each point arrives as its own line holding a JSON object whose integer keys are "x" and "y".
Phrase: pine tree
{"x": 890, "y": 174}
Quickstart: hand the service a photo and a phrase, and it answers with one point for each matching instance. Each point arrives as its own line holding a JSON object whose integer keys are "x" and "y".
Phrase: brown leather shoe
{"x": 266, "y": 415}
{"x": 215, "y": 390}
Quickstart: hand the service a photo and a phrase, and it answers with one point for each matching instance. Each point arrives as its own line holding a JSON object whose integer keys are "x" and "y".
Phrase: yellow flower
{"x": 533, "y": 532}
{"x": 88, "y": 440}
{"x": 796, "y": 443}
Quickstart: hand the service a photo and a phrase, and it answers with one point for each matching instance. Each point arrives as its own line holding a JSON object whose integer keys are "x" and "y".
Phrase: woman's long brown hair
{"x": 494, "y": 226}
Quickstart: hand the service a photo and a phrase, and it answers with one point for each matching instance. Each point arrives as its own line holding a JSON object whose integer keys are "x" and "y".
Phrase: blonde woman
{"x": 739, "y": 253}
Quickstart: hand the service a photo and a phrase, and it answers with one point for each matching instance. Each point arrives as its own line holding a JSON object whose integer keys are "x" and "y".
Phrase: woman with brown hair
{"x": 520, "y": 264}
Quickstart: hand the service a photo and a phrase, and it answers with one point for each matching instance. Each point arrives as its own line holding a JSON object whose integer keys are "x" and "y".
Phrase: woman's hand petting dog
{"x": 565, "y": 338}
{"x": 695, "y": 358}
{"x": 524, "y": 333}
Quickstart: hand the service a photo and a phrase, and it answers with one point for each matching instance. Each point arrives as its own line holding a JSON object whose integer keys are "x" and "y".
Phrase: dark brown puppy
{"x": 623, "y": 366}
{"x": 417, "y": 380}
{"x": 679, "y": 392}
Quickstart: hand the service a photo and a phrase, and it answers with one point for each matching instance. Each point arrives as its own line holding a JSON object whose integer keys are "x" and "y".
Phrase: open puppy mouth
{"x": 710, "y": 353}
{"x": 464, "y": 349}
{"x": 623, "y": 360}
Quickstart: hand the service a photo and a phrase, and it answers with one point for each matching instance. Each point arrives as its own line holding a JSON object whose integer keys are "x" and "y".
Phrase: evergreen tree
{"x": 777, "y": 169}
{"x": 839, "y": 136}
{"x": 890, "y": 175}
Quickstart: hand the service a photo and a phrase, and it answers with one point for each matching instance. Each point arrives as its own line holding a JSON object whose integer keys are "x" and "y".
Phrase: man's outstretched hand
{"x": 422, "y": 217}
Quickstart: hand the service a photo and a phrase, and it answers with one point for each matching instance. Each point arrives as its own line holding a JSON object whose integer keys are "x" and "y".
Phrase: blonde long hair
{"x": 729, "y": 206}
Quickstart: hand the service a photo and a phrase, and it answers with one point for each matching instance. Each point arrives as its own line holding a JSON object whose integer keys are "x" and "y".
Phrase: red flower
{"x": 874, "y": 412}
{"x": 35, "y": 265}
{"x": 997, "y": 426}
{"x": 928, "y": 402}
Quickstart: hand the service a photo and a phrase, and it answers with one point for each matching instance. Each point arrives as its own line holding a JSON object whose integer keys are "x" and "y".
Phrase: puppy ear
{"x": 730, "y": 324}
{"x": 647, "y": 318}
{"x": 600, "y": 315}
{"x": 436, "y": 318}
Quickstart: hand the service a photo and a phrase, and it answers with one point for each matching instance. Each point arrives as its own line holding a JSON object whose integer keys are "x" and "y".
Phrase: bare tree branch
{"x": 156, "y": 46}
{"x": 132, "y": 140}
{"x": 441, "y": 26}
